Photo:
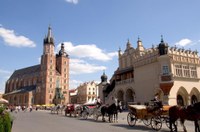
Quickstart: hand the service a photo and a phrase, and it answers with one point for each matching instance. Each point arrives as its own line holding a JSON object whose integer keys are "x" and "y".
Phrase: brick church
{"x": 46, "y": 83}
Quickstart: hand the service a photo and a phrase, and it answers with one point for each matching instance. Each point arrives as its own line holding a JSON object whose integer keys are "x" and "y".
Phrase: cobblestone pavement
{"x": 43, "y": 121}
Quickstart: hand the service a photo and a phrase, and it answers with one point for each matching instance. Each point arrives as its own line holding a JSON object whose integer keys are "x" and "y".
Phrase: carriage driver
{"x": 156, "y": 101}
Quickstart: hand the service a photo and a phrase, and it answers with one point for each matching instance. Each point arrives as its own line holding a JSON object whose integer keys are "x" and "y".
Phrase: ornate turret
{"x": 163, "y": 47}
{"x": 62, "y": 51}
{"x": 140, "y": 45}
{"x": 119, "y": 52}
{"x": 104, "y": 77}
{"x": 128, "y": 45}
{"x": 49, "y": 38}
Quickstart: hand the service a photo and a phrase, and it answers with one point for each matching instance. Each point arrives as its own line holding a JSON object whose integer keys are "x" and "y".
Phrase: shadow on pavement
{"x": 139, "y": 127}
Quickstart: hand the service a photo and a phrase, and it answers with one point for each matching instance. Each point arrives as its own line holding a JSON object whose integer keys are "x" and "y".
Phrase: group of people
{"x": 19, "y": 108}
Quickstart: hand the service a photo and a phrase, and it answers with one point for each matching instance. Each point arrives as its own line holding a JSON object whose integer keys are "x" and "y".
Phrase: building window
{"x": 186, "y": 71}
{"x": 178, "y": 70}
{"x": 193, "y": 72}
{"x": 165, "y": 70}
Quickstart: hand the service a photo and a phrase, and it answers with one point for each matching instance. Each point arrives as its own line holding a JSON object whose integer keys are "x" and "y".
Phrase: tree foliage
{"x": 5, "y": 121}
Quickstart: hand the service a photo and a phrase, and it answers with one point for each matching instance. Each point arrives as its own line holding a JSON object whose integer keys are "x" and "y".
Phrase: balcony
{"x": 166, "y": 78}
{"x": 127, "y": 81}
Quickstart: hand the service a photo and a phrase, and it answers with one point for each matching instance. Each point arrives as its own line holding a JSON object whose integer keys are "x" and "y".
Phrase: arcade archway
{"x": 130, "y": 95}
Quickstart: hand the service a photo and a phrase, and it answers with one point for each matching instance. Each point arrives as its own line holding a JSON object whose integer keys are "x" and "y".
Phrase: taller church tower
{"x": 48, "y": 69}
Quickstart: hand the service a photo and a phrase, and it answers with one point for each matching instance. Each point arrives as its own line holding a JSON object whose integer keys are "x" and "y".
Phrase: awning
{"x": 3, "y": 101}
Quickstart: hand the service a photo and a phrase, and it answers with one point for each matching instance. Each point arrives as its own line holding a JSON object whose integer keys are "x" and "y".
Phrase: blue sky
{"x": 99, "y": 27}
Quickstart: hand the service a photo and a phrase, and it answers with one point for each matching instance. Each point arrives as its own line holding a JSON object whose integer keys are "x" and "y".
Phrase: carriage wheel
{"x": 156, "y": 123}
{"x": 146, "y": 121}
{"x": 166, "y": 119}
{"x": 84, "y": 115}
{"x": 131, "y": 119}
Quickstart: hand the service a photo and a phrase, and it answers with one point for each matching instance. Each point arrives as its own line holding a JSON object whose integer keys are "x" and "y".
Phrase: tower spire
{"x": 49, "y": 37}
{"x": 162, "y": 39}
{"x": 49, "y": 32}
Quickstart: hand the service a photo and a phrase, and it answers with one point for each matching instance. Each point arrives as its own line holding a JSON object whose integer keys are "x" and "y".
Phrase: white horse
{"x": 58, "y": 108}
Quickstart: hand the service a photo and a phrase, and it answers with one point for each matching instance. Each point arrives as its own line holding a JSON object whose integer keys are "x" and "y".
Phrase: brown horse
{"x": 191, "y": 112}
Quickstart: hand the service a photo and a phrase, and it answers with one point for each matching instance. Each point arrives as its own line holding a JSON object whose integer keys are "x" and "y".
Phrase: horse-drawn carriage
{"x": 90, "y": 110}
{"x": 73, "y": 110}
{"x": 150, "y": 115}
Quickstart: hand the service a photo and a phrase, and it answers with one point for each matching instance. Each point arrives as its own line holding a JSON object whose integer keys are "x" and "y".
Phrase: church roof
{"x": 23, "y": 89}
{"x": 25, "y": 72}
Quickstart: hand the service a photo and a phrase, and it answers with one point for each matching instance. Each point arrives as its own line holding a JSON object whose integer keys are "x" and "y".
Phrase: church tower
{"x": 48, "y": 69}
{"x": 62, "y": 66}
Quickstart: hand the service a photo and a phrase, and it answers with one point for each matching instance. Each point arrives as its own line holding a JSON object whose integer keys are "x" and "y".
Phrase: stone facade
{"x": 38, "y": 84}
{"x": 87, "y": 91}
{"x": 171, "y": 72}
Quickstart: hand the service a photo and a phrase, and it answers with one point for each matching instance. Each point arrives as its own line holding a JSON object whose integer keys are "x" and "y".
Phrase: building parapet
{"x": 127, "y": 81}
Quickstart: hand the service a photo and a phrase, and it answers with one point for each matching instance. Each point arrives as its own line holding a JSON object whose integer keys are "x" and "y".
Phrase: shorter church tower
{"x": 62, "y": 66}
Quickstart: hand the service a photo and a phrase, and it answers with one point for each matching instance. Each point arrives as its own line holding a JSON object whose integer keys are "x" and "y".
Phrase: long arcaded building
{"x": 173, "y": 73}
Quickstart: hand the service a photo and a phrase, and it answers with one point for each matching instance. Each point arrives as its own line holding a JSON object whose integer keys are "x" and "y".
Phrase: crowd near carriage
{"x": 151, "y": 115}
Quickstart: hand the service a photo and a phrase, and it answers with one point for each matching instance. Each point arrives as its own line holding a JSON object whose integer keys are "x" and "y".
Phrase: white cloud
{"x": 90, "y": 51}
{"x": 72, "y": 1}
{"x": 78, "y": 66}
{"x": 183, "y": 42}
{"x": 11, "y": 39}
{"x": 4, "y": 72}
{"x": 74, "y": 83}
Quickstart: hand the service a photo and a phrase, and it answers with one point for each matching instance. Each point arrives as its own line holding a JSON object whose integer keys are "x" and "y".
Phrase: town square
{"x": 97, "y": 65}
